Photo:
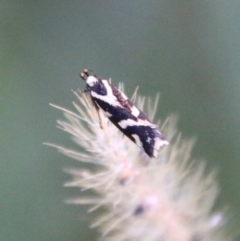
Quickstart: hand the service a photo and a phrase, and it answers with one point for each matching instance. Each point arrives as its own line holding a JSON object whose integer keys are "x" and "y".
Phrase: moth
{"x": 122, "y": 112}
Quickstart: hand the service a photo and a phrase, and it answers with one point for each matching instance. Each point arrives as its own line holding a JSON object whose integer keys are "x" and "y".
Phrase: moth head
{"x": 84, "y": 75}
{"x": 90, "y": 79}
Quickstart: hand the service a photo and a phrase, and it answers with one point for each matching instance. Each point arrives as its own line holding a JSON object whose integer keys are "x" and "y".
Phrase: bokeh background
{"x": 189, "y": 51}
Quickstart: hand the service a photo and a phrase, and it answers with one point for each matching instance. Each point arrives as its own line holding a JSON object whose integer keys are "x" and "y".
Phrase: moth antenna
{"x": 86, "y": 72}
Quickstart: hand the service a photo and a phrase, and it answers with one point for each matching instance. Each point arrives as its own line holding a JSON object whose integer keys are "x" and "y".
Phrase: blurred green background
{"x": 189, "y": 51}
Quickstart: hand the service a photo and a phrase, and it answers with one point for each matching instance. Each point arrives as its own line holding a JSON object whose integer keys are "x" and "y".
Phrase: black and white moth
{"x": 122, "y": 112}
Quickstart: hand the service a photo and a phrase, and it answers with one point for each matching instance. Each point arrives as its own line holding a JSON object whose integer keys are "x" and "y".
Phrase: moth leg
{"x": 97, "y": 109}
{"x": 85, "y": 90}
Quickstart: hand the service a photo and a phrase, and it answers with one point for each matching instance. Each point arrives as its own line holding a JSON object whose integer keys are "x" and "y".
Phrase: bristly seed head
{"x": 173, "y": 192}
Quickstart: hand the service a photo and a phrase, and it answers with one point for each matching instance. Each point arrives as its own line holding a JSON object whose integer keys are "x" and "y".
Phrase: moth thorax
{"x": 91, "y": 80}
